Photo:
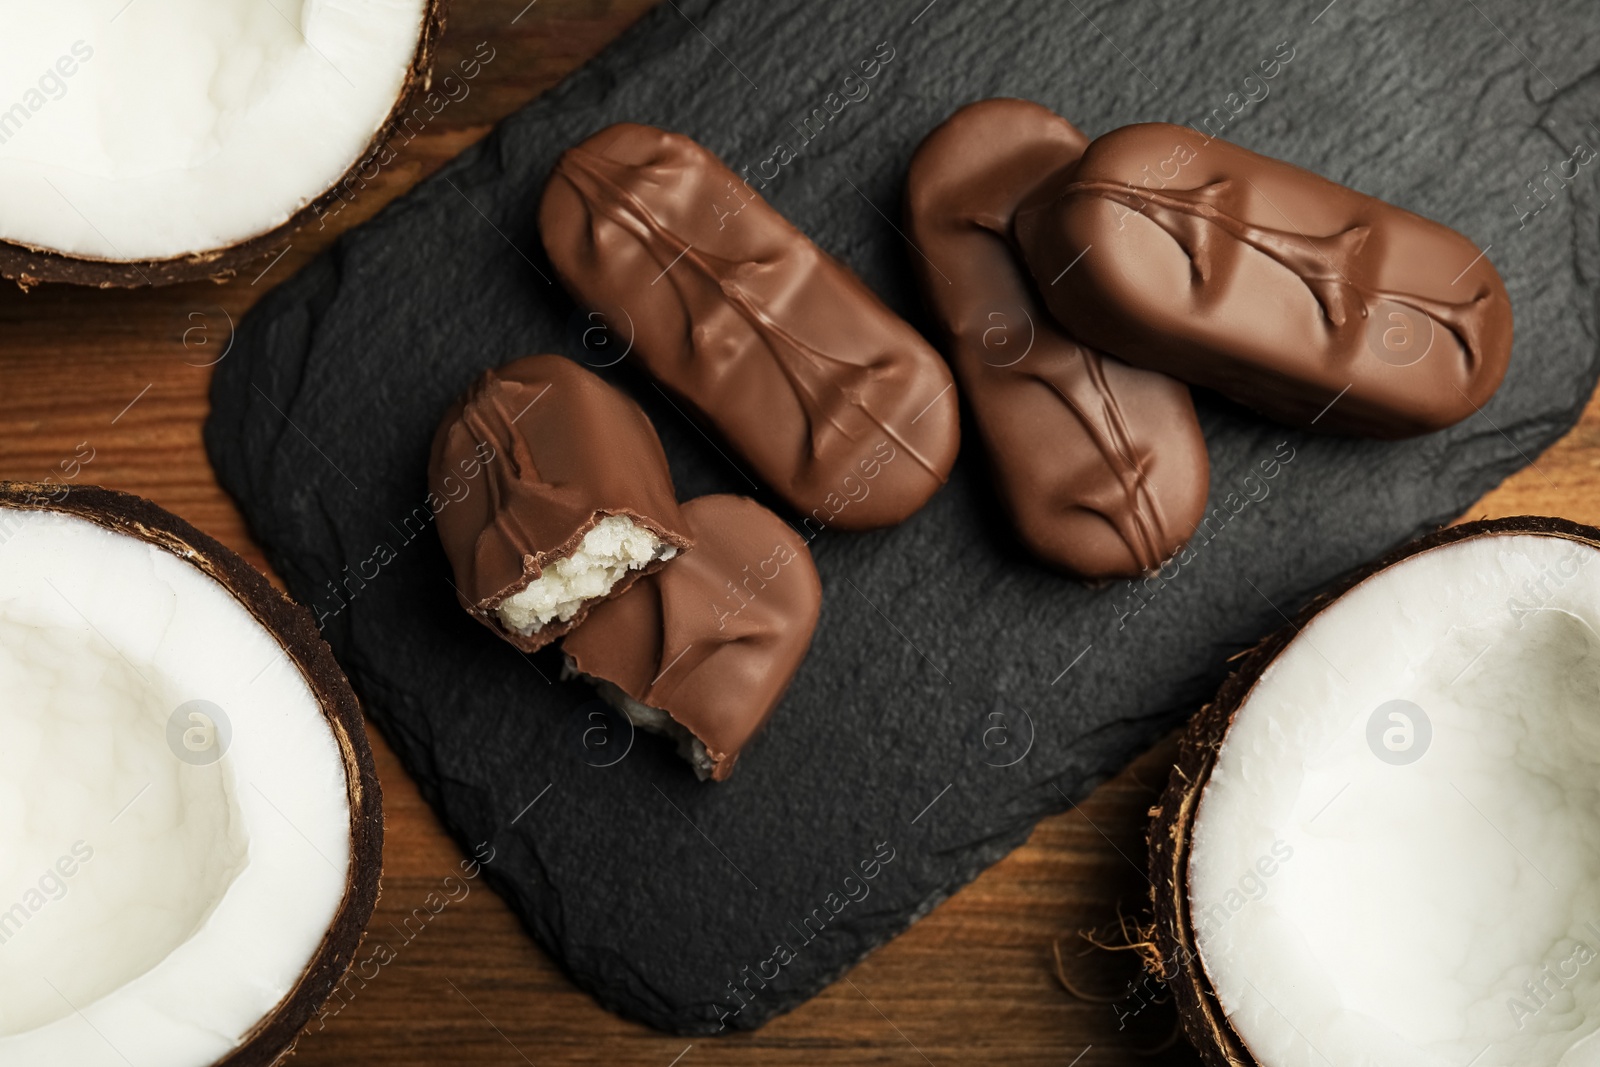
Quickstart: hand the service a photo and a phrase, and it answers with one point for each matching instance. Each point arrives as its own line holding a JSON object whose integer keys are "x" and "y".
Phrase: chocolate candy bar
{"x": 823, "y": 392}
{"x": 1102, "y": 466}
{"x": 704, "y": 649}
{"x": 552, "y": 493}
{"x": 1308, "y": 301}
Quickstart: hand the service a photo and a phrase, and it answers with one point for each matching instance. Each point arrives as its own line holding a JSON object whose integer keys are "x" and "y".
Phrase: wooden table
{"x": 121, "y": 377}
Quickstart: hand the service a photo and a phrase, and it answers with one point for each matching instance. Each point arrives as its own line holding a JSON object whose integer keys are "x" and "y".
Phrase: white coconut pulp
{"x": 1356, "y": 910}
{"x": 148, "y": 129}
{"x": 153, "y": 908}
{"x": 613, "y": 546}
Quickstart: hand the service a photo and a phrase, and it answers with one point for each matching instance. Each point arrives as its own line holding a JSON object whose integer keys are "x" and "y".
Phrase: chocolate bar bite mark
{"x": 1319, "y": 262}
{"x": 582, "y": 466}
{"x": 522, "y": 466}
{"x": 585, "y": 171}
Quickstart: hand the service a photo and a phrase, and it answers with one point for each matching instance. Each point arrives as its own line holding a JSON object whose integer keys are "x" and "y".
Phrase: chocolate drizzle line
{"x": 1115, "y": 444}
{"x": 1087, "y": 394}
{"x": 520, "y": 460}
{"x": 1189, "y": 216}
{"x": 801, "y": 364}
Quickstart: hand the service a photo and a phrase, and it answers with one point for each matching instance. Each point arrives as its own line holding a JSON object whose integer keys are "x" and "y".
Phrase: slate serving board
{"x": 956, "y": 692}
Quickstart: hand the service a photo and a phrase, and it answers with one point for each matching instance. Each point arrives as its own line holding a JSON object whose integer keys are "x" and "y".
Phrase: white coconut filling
{"x": 148, "y": 130}
{"x": 655, "y": 720}
{"x": 155, "y": 902}
{"x": 1360, "y": 903}
{"x": 612, "y": 548}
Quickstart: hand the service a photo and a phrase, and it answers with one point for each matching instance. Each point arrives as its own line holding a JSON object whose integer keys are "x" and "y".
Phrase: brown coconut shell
{"x": 1172, "y": 954}
{"x": 28, "y": 265}
{"x": 297, "y": 632}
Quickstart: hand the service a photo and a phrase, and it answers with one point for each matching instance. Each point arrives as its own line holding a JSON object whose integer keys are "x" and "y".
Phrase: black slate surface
{"x": 956, "y": 692}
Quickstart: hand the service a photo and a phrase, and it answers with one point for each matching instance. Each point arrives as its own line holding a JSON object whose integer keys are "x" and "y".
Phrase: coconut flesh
{"x": 153, "y": 129}
{"x": 157, "y": 900}
{"x": 1373, "y": 885}
{"x": 613, "y": 546}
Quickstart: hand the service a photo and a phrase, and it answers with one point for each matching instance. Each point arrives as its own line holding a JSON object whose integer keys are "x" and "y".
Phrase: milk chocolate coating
{"x": 1102, "y": 466}
{"x": 525, "y": 464}
{"x": 829, "y": 397}
{"x": 1268, "y": 283}
{"x": 714, "y": 638}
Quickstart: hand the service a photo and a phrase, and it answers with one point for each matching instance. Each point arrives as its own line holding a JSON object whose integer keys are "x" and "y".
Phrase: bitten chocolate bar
{"x": 576, "y": 505}
{"x": 704, "y": 650}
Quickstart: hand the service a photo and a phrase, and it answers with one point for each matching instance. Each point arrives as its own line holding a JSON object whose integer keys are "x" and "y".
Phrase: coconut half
{"x": 154, "y": 141}
{"x": 191, "y": 829}
{"x": 1381, "y": 843}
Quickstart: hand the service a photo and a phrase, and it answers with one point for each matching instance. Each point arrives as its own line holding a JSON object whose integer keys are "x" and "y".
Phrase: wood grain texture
{"x": 121, "y": 378}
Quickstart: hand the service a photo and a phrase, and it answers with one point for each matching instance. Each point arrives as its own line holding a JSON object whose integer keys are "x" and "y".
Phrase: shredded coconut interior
{"x": 615, "y": 546}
